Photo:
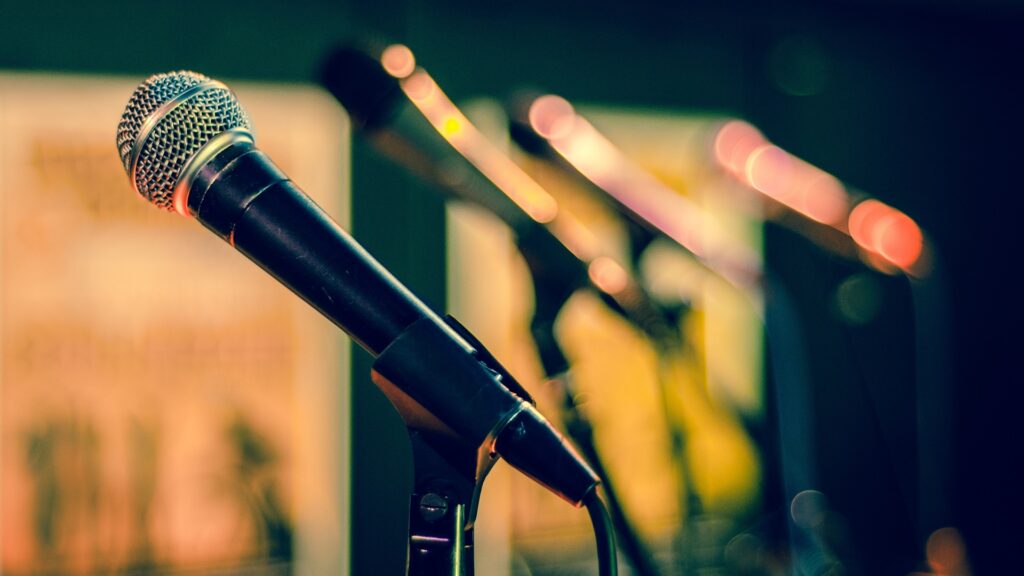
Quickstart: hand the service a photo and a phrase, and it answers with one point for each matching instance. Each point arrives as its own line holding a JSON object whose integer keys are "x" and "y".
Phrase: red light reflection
{"x": 886, "y": 234}
{"x": 862, "y": 221}
{"x": 899, "y": 239}
{"x": 946, "y": 553}
{"x": 886, "y": 231}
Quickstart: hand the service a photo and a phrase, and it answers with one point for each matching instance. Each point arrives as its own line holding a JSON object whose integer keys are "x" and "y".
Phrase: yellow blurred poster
{"x": 164, "y": 404}
{"x": 669, "y": 426}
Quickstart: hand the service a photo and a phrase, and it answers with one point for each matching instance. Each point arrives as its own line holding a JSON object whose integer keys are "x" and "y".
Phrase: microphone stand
{"x": 554, "y": 283}
{"x": 690, "y": 504}
{"x": 448, "y": 472}
{"x": 667, "y": 345}
{"x": 448, "y": 475}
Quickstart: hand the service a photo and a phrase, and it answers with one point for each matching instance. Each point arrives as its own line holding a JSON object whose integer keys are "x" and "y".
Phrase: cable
{"x": 560, "y": 376}
{"x": 636, "y": 553}
{"x": 606, "y": 560}
{"x": 581, "y": 431}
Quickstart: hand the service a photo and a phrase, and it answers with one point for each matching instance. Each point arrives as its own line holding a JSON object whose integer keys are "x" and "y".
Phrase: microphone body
{"x": 242, "y": 197}
{"x": 234, "y": 190}
{"x": 409, "y": 139}
{"x": 245, "y": 199}
{"x": 549, "y": 127}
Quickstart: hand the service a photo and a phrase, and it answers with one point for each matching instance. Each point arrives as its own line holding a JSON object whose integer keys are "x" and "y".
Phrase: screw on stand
{"x": 433, "y": 507}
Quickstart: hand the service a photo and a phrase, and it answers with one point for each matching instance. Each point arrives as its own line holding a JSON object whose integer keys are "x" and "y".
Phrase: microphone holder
{"x": 448, "y": 470}
{"x": 448, "y": 475}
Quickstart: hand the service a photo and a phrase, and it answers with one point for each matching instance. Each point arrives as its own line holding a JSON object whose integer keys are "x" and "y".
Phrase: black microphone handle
{"x": 242, "y": 197}
{"x": 300, "y": 245}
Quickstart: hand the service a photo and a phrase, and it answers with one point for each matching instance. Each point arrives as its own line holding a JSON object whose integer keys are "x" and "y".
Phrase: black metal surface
{"x": 447, "y": 475}
{"x": 279, "y": 228}
{"x": 466, "y": 394}
{"x": 446, "y": 377}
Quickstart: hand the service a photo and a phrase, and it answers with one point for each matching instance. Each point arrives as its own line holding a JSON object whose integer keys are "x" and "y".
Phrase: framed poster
{"x": 164, "y": 403}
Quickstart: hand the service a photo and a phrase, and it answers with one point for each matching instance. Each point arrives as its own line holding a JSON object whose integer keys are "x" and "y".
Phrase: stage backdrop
{"x": 165, "y": 403}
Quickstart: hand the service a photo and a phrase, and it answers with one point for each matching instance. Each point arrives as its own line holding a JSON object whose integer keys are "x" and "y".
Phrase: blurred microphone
{"x": 400, "y": 108}
{"x": 548, "y": 126}
{"x": 187, "y": 146}
{"x": 404, "y": 113}
{"x": 818, "y": 206}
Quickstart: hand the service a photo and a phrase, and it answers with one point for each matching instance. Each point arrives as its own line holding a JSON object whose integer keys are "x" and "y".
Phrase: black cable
{"x": 606, "y": 561}
{"x": 580, "y": 430}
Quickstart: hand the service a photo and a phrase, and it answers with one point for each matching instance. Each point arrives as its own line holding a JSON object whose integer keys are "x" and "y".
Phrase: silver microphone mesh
{"x": 168, "y": 120}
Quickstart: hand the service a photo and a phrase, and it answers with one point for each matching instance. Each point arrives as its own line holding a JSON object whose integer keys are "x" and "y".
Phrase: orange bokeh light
{"x": 946, "y": 552}
{"x": 453, "y": 125}
{"x": 899, "y": 239}
{"x": 608, "y": 275}
{"x": 420, "y": 87}
{"x": 881, "y": 229}
{"x": 638, "y": 192}
{"x": 398, "y": 60}
{"x": 735, "y": 142}
{"x": 862, "y": 221}
{"x": 770, "y": 170}
{"x": 795, "y": 183}
{"x": 889, "y": 237}
{"x": 824, "y": 197}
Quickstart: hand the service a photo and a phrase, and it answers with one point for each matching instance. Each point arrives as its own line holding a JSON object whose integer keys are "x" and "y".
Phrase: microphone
{"x": 402, "y": 111}
{"x": 549, "y": 127}
{"x": 187, "y": 146}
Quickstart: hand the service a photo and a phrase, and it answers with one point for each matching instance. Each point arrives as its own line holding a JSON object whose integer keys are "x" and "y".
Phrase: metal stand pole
{"x": 448, "y": 477}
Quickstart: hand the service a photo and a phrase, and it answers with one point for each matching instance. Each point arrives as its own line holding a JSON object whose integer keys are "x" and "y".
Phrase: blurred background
{"x": 851, "y": 418}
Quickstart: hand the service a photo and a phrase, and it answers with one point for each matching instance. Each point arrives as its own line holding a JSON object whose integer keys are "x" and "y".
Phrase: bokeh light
{"x": 608, "y": 275}
{"x": 883, "y": 230}
{"x": 453, "y": 125}
{"x": 398, "y": 60}
{"x": 946, "y": 553}
{"x": 734, "y": 142}
{"x": 889, "y": 238}
{"x": 552, "y": 116}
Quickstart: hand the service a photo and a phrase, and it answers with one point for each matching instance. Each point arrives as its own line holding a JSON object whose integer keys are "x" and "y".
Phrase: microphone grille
{"x": 168, "y": 120}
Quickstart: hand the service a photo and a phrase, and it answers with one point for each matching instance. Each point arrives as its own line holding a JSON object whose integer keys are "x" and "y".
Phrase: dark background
{"x": 917, "y": 102}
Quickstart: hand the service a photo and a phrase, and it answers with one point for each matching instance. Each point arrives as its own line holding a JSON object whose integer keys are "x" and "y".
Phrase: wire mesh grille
{"x": 178, "y": 134}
